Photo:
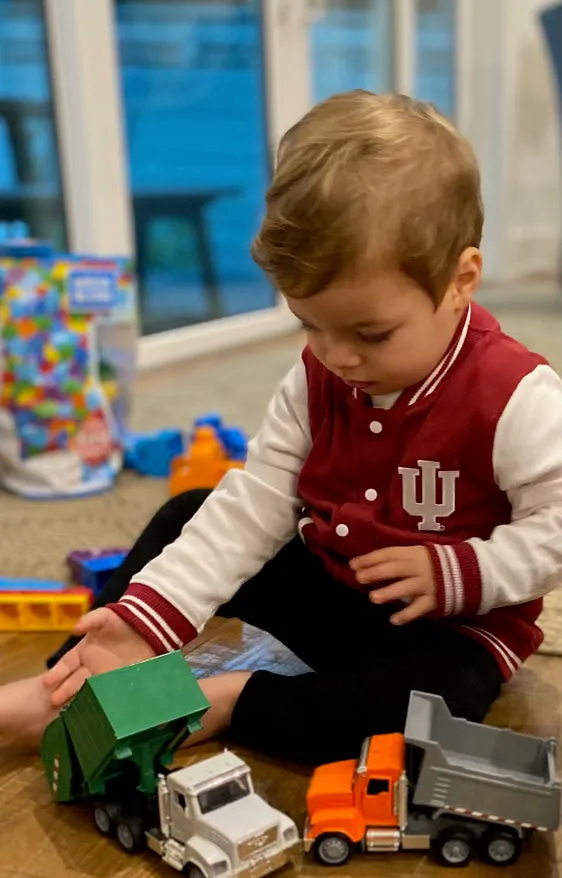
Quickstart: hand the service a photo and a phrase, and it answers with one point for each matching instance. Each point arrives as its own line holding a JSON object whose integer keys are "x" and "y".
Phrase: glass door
{"x": 195, "y": 124}
{"x": 31, "y": 202}
{"x": 351, "y": 46}
{"x": 435, "y": 79}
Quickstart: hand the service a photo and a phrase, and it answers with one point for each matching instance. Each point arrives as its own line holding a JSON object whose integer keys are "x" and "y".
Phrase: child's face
{"x": 385, "y": 334}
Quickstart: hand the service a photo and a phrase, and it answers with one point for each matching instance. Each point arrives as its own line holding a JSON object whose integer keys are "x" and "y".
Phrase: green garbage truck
{"x": 113, "y": 745}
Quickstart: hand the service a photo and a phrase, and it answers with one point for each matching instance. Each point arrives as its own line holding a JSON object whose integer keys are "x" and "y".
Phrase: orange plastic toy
{"x": 203, "y": 466}
{"x": 345, "y": 800}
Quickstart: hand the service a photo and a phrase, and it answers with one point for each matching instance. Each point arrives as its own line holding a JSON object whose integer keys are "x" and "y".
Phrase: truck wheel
{"x": 106, "y": 815}
{"x": 130, "y": 834}
{"x": 454, "y": 847}
{"x": 194, "y": 872}
{"x": 500, "y": 847}
{"x": 332, "y": 849}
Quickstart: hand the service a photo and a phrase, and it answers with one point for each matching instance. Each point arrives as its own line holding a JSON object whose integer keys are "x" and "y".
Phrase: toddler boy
{"x": 399, "y": 517}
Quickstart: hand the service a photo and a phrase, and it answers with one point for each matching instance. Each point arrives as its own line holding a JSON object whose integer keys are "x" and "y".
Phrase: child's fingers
{"x": 69, "y": 688}
{"x": 92, "y": 621}
{"x": 419, "y": 607}
{"x": 66, "y": 666}
{"x": 406, "y": 588}
{"x": 401, "y": 568}
{"x": 371, "y": 559}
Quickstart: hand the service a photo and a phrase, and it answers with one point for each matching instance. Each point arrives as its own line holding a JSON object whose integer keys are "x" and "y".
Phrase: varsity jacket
{"x": 467, "y": 463}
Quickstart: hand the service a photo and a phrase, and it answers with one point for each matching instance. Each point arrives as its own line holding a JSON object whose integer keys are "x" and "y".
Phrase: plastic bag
{"x": 68, "y": 334}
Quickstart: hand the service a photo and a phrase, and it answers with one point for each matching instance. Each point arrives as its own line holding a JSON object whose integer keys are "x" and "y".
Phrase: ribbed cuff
{"x": 457, "y": 578}
{"x": 154, "y": 618}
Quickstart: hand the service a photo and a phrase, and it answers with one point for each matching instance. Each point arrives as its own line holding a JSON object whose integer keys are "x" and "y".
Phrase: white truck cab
{"x": 214, "y": 825}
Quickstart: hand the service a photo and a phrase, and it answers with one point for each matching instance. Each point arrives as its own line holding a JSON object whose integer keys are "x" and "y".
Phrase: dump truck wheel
{"x": 500, "y": 847}
{"x": 453, "y": 847}
{"x": 106, "y": 816}
{"x": 194, "y": 872}
{"x": 332, "y": 849}
{"x": 130, "y": 834}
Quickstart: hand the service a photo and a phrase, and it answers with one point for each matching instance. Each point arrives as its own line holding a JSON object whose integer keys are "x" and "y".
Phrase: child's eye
{"x": 376, "y": 337}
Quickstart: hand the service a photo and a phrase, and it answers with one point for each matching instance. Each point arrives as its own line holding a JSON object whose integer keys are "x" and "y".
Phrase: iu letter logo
{"x": 426, "y": 507}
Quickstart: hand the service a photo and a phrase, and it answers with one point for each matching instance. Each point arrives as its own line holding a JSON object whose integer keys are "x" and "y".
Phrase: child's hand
{"x": 412, "y": 571}
{"x": 109, "y": 643}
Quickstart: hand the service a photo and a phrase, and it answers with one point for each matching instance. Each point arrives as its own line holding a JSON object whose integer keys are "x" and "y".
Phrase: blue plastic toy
{"x": 235, "y": 442}
{"x": 211, "y": 419}
{"x": 14, "y": 584}
{"x": 152, "y": 453}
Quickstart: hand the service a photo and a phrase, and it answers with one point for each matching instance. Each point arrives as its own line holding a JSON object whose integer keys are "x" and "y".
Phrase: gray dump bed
{"x": 482, "y": 769}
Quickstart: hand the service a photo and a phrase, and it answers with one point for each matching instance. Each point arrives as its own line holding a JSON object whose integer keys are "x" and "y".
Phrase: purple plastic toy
{"x": 93, "y": 567}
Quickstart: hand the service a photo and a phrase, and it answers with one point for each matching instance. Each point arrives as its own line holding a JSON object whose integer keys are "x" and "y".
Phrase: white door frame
{"x": 404, "y": 46}
{"x": 87, "y": 102}
{"x": 483, "y": 115}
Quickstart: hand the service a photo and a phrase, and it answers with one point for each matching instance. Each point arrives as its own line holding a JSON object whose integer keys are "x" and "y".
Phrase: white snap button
{"x": 375, "y": 427}
{"x": 342, "y": 530}
{"x": 371, "y": 494}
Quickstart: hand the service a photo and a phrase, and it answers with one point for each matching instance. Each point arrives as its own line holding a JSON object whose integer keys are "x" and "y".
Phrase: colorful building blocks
{"x": 43, "y": 610}
{"x": 152, "y": 453}
{"x": 213, "y": 451}
{"x": 205, "y": 820}
{"x": 449, "y": 785}
{"x": 92, "y": 568}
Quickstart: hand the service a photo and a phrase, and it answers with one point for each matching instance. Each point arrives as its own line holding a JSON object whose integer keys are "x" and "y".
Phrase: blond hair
{"x": 366, "y": 182}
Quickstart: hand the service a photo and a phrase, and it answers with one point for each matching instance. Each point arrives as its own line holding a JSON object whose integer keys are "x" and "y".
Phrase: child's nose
{"x": 341, "y": 357}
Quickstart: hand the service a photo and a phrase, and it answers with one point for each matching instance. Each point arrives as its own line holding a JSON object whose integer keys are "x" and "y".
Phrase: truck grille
{"x": 249, "y": 848}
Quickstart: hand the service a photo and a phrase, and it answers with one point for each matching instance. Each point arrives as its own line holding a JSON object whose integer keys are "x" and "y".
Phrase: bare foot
{"x": 222, "y": 693}
{"x": 25, "y": 711}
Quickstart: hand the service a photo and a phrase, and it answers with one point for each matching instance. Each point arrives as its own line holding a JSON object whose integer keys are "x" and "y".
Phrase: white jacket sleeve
{"x": 522, "y": 560}
{"x": 243, "y": 524}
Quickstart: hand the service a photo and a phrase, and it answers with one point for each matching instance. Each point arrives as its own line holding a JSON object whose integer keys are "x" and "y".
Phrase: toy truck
{"x": 455, "y": 787}
{"x": 113, "y": 743}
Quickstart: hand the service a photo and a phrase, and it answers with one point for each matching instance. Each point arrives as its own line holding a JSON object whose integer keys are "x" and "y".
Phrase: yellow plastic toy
{"x": 43, "y": 611}
{"x": 203, "y": 466}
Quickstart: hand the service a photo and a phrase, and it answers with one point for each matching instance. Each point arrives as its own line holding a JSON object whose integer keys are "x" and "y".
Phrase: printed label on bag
{"x": 93, "y": 442}
{"x": 92, "y": 291}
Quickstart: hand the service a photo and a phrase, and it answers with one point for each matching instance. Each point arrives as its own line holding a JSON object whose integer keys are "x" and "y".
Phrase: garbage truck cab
{"x": 213, "y": 822}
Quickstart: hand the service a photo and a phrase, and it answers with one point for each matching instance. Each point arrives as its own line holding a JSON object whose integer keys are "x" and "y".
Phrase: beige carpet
{"x": 36, "y": 536}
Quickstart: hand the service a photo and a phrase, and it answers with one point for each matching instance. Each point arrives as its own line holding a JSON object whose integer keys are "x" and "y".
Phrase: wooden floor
{"x": 39, "y": 839}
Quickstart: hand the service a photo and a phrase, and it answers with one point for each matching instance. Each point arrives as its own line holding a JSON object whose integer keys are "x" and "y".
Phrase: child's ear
{"x": 467, "y": 276}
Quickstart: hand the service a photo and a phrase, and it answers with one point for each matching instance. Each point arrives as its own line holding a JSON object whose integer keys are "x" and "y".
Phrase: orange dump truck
{"x": 455, "y": 787}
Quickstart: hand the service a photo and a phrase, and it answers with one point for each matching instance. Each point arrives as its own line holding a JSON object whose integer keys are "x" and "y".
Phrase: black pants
{"x": 363, "y": 667}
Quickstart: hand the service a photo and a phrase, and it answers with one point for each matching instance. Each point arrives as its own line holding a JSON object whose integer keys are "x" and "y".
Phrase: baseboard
{"x": 217, "y": 335}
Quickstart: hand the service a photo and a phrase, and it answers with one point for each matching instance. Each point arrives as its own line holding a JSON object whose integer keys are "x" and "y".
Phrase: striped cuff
{"x": 154, "y": 618}
{"x": 457, "y": 579}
